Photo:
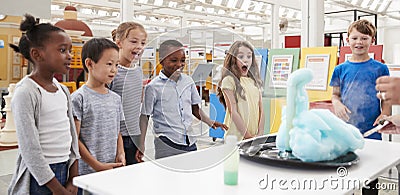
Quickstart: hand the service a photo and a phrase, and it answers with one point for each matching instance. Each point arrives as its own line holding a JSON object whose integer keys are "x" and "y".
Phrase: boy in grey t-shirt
{"x": 98, "y": 111}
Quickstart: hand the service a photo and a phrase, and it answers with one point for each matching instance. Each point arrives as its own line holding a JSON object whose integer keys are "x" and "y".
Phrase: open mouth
{"x": 179, "y": 70}
{"x": 135, "y": 54}
{"x": 244, "y": 68}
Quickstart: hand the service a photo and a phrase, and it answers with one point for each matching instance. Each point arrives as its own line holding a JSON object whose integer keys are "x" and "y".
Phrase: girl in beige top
{"x": 240, "y": 92}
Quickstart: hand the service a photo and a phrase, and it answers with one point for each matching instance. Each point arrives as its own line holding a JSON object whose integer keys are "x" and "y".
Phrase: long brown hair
{"x": 231, "y": 69}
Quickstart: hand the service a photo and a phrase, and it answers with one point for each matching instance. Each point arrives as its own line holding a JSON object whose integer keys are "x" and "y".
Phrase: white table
{"x": 181, "y": 177}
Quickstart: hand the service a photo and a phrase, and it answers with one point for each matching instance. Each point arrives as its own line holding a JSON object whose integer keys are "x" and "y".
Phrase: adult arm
{"x": 391, "y": 87}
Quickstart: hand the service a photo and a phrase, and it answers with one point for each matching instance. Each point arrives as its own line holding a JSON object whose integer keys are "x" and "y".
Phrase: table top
{"x": 201, "y": 172}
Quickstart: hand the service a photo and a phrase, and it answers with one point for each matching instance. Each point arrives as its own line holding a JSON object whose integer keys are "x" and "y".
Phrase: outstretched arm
{"x": 199, "y": 114}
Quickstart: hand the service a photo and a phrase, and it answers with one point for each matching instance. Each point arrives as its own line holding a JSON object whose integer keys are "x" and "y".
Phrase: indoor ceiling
{"x": 245, "y": 16}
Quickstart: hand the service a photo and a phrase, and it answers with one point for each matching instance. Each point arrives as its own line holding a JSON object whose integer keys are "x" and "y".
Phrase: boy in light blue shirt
{"x": 171, "y": 99}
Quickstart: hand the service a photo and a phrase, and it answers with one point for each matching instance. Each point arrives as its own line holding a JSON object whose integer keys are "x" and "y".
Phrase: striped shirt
{"x": 128, "y": 84}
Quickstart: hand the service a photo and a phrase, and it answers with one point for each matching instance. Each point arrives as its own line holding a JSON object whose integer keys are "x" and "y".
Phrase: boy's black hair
{"x": 94, "y": 49}
{"x": 36, "y": 35}
{"x": 164, "y": 48}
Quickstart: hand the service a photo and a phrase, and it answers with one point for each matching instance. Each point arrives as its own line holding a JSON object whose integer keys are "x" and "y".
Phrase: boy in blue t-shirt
{"x": 354, "y": 96}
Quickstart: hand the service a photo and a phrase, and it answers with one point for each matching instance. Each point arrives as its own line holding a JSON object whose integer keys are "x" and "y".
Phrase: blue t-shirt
{"x": 356, "y": 81}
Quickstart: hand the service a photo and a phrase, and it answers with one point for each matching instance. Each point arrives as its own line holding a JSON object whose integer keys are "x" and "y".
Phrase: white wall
{"x": 389, "y": 37}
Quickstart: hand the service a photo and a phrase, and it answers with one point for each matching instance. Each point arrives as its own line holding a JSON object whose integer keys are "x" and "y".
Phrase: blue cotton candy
{"x": 316, "y": 135}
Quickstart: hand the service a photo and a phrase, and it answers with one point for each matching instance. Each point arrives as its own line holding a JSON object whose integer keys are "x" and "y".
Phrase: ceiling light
{"x": 216, "y": 2}
{"x": 158, "y": 2}
{"x": 245, "y": 5}
{"x": 374, "y": 5}
{"x": 384, "y": 5}
{"x": 210, "y": 10}
{"x": 86, "y": 11}
{"x": 257, "y": 6}
{"x": 198, "y": 8}
{"x": 187, "y": 7}
{"x": 365, "y": 3}
{"x": 221, "y": 11}
{"x": 115, "y": 14}
{"x": 232, "y": 3}
{"x": 172, "y": 4}
{"x": 102, "y": 13}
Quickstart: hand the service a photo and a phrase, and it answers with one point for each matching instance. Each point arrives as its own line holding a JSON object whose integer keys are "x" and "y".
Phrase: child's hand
{"x": 139, "y": 156}
{"x": 217, "y": 124}
{"x": 120, "y": 158}
{"x": 71, "y": 188}
{"x": 341, "y": 111}
{"x": 108, "y": 166}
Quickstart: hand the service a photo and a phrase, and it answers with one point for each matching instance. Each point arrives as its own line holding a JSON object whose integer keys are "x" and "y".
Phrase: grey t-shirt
{"x": 100, "y": 116}
{"x": 128, "y": 84}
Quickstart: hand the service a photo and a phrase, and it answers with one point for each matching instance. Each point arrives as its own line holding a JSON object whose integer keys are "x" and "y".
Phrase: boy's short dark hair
{"x": 94, "y": 49}
{"x": 164, "y": 48}
{"x": 363, "y": 26}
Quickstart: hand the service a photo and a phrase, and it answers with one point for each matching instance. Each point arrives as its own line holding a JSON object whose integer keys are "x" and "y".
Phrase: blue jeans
{"x": 61, "y": 172}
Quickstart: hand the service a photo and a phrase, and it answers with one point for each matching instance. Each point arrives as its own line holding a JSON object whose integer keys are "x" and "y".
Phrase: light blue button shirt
{"x": 169, "y": 103}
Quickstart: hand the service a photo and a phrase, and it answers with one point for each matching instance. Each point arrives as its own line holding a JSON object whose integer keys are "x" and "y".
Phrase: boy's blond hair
{"x": 363, "y": 26}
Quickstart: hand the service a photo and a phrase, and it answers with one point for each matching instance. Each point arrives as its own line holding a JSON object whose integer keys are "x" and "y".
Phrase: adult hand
{"x": 341, "y": 111}
{"x": 389, "y": 88}
{"x": 393, "y": 127}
